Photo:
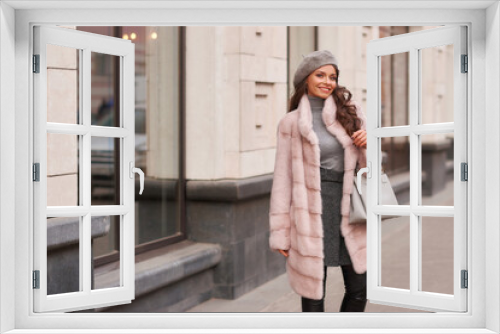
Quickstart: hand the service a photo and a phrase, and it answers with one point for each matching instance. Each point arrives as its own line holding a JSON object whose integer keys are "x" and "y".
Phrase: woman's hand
{"x": 359, "y": 138}
{"x": 284, "y": 252}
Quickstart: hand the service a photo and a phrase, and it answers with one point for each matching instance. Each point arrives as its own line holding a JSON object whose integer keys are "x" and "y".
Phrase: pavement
{"x": 437, "y": 269}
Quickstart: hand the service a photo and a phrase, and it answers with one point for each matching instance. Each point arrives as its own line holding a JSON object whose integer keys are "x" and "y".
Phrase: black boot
{"x": 353, "y": 305}
{"x": 355, "y": 290}
{"x": 313, "y": 305}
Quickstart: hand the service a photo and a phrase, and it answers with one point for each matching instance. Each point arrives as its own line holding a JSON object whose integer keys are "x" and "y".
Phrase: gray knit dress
{"x": 332, "y": 175}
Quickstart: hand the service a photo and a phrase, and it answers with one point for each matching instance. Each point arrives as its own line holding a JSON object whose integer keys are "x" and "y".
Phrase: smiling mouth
{"x": 325, "y": 89}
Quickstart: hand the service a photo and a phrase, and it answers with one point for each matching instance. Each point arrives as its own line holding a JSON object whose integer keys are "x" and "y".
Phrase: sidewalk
{"x": 277, "y": 296}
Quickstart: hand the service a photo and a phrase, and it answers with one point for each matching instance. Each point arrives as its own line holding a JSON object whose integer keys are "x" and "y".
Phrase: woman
{"x": 320, "y": 141}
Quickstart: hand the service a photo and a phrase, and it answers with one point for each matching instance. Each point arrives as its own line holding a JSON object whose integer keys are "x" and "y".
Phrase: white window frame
{"x": 85, "y": 43}
{"x": 413, "y": 44}
{"x": 484, "y": 211}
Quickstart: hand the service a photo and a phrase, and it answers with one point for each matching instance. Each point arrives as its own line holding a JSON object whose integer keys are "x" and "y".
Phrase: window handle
{"x": 138, "y": 171}
{"x": 368, "y": 172}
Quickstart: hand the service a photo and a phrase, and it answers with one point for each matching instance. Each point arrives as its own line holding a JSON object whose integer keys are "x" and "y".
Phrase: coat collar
{"x": 329, "y": 115}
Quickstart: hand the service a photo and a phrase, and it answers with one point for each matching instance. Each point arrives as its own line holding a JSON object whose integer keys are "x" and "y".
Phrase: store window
{"x": 159, "y": 214}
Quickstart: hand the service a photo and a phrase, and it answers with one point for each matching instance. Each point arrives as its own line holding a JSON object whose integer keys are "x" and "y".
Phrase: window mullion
{"x": 127, "y": 190}
{"x": 81, "y": 180}
{"x": 86, "y": 236}
{"x": 414, "y": 171}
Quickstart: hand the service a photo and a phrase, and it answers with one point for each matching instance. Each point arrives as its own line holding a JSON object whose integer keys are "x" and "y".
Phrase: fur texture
{"x": 295, "y": 208}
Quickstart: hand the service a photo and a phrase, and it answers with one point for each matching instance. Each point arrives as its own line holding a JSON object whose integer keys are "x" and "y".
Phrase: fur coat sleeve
{"x": 281, "y": 194}
{"x": 362, "y": 151}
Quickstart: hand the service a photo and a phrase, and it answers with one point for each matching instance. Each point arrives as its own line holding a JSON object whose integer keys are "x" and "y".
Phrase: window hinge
{"x": 465, "y": 64}
{"x": 36, "y": 172}
{"x": 36, "y": 279}
{"x": 36, "y": 63}
{"x": 465, "y": 279}
{"x": 465, "y": 171}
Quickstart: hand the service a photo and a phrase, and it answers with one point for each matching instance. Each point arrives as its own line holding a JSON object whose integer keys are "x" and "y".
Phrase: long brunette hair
{"x": 346, "y": 111}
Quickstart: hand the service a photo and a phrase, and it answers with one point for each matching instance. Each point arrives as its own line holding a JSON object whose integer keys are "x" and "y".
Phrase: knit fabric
{"x": 335, "y": 252}
{"x": 331, "y": 151}
{"x": 311, "y": 62}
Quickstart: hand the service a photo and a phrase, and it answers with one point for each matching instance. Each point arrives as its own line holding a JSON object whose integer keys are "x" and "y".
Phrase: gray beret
{"x": 311, "y": 62}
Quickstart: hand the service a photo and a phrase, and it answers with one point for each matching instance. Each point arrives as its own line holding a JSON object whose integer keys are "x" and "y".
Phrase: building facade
{"x": 208, "y": 101}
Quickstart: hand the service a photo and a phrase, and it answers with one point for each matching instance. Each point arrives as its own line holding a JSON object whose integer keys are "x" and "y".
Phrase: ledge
{"x": 208, "y": 190}
{"x": 62, "y": 232}
{"x": 155, "y": 189}
{"x": 165, "y": 266}
{"x": 229, "y": 190}
{"x": 437, "y": 145}
{"x": 401, "y": 181}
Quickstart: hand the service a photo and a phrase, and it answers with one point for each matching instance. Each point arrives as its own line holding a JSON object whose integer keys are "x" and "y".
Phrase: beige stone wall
{"x": 236, "y": 93}
{"x": 245, "y": 89}
{"x": 62, "y": 107}
{"x": 348, "y": 44}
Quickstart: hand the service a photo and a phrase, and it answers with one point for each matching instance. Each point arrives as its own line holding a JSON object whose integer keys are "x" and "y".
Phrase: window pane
{"x": 105, "y": 171}
{"x": 157, "y": 216}
{"x": 437, "y": 84}
{"x": 106, "y": 233}
{"x": 437, "y": 254}
{"x": 105, "y": 89}
{"x": 157, "y": 131}
{"x": 63, "y": 73}
{"x": 396, "y": 166}
{"x": 157, "y": 121}
{"x": 437, "y": 169}
{"x": 63, "y": 172}
{"x": 395, "y": 252}
{"x": 63, "y": 255}
{"x": 394, "y": 89}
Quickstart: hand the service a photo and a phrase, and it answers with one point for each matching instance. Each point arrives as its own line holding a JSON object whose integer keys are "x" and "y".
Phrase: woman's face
{"x": 322, "y": 81}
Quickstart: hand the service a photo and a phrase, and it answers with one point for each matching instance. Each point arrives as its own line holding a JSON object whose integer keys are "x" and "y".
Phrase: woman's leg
{"x": 355, "y": 290}
{"x": 315, "y": 305}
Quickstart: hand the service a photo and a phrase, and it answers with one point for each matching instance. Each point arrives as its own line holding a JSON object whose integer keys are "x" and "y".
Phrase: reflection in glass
{"x": 157, "y": 133}
{"x": 63, "y": 255}
{"x": 63, "y": 73}
{"x": 157, "y": 123}
{"x": 437, "y": 84}
{"x": 394, "y": 89}
{"x": 105, "y": 184}
{"x": 395, "y": 252}
{"x": 63, "y": 170}
{"x": 437, "y": 169}
{"x": 437, "y": 235}
{"x": 106, "y": 232}
{"x": 105, "y": 89}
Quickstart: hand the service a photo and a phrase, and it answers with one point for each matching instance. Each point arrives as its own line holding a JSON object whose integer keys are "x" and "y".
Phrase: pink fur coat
{"x": 295, "y": 208}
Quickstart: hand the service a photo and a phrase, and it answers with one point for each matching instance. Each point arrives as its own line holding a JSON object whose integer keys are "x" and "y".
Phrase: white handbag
{"x": 357, "y": 213}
